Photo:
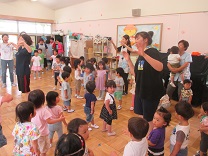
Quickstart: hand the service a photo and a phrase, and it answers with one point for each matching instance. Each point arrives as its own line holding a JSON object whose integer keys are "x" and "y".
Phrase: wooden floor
{"x": 99, "y": 142}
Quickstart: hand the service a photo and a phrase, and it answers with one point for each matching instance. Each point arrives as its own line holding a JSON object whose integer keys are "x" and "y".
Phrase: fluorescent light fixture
{"x": 34, "y": 0}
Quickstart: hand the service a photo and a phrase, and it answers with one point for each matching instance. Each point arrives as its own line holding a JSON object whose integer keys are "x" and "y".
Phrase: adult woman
{"x": 59, "y": 47}
{"x": 149, "y": 86}
{"x": 23, "y": 57}
{"x": 122, "y": 61}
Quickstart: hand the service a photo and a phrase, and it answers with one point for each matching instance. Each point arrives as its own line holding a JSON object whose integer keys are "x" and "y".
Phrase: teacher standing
{"x": 147, "y": 70}
{"x": 23, "y": 57}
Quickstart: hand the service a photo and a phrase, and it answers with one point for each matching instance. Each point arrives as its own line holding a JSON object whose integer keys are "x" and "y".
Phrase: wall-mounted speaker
{"x": 136, "y": 12}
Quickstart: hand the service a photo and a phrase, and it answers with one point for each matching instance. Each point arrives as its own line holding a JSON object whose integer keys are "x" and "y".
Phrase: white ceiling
{"x": 54, "y": 4}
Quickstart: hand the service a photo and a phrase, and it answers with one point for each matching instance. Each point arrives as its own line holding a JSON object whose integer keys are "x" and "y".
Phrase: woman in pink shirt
{"x": 59, "y": 46}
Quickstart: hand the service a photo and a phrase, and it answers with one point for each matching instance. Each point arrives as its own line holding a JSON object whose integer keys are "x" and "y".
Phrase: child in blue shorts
{"x": 90, "y": 104}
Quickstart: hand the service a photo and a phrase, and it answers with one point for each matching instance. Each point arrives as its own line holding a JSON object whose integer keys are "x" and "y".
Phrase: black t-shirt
{"x": 119, "y": 49}
{"x": 90, "y": 98}
{"x": 149, "y": 83}
{"x": 23, "y": 58}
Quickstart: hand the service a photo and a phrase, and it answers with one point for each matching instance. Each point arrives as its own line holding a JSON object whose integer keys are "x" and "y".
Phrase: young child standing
{"x": 25, "y": 132}
{"x": 78, "y": 78}
{"x": 132, "y": 91}
{"x": 52, "y": 99}
{"x": 108, "y": 111}
{"x": 42, "y": 58}
{"x": 186, "y": 92}
{"x": 119, "y": 86}
{"x": 156, "y": 137}
{"x": 88, "y": 75}
{"x": 179, "y": 138}
{"x": 89, "y": 108}
{"x": 53, "y": 58}
{"x": 42, "y": 119}
{"x": 36, "y": 68}
{"x": 56, "y": 69}
{"x": 66, "y": 92}
{"x": 101, "y": 79}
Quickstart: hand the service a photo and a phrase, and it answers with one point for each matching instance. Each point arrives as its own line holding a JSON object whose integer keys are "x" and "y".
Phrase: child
{"x": 78, "y": 78}
{"x": 56, "y": 69}
{"x": 174, "y": 60}
{"x": 42, "y": 58}
{"x": 53, "y": 58}
{"x": 70, "y": 144}
{"x": 89, "y": 108}
{"x": 132, "y": 91}
{"x": 94, "y": 62}
{"x": 164, "y": 102}
{"x": 108, "y": 111}
{"x": 179, "y": 138}
{"x": 186, "y": 92}
{"x": 66, "y": 92}
{"x": 82, "y": 64}
{"x": 52, "y": 99}
{"x": 119, "y": 86}
{"x": 204, "y": 130}
{"x": 156, "y": 137}
{"x": 36, "y": 64}
{"x": 42, "y": 118}
{"x": 6, "y": 98}
{"x": 80, "y": 126}
{"x": 88, "y": 76}
{"x": 101, "y": 79}
{"x": 25, "y": 132}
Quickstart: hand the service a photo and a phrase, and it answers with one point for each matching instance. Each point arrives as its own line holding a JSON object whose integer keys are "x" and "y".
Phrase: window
{"x": 12, "y": 38}
{"x": 35, "y": 28}
{"x": 8, "y": 26}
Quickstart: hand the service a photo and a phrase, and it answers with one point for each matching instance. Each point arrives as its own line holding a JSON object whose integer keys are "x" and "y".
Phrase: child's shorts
{"x": 78, "y": 85}
{"x": 89, "y": 117}
{"x": 43, "y": 144}
{"x": 67, "y": 103}
{"x": 3, "y": 140}
{"x": 118, "y": 95}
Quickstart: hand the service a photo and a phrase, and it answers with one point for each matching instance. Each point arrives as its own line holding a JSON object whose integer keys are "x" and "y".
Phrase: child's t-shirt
{"x": 174, "y": 58}
{"x": 55, "y": 111}
{"x": 65, "y": 86}
{"x": 109, "y": 96}
{"x": 90, "y": 98}
{"x": 181, "y": 134}
{"x": 77, "y": 74}
{"x": 88, "y": 78}
{"x": 57, "y": 67}
{"x": 42, "y": 58}
{"x": 136, "y": 148}
{"x": 24, "y": 134}
{"x": 186, "y": 93}
{"x": 119, "y": 81}
{"x": 204, "y": 120}
{"x": 42, "y": 114}
{"x": 36, "y": 61}
{"x": 53, "y": 58}
{"x": 157, "y": 137}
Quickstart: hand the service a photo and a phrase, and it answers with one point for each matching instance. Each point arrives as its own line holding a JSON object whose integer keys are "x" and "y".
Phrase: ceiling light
{"x": 34, "y": 0}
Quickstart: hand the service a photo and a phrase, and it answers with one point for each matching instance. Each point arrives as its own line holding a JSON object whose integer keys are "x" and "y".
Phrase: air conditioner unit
{"x": 136, "y": 12}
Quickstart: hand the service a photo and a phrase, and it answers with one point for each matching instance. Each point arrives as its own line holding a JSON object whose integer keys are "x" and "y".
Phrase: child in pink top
{"x": 42, "y": 119}
{"x": 60, "y": 47}
{"x": 56, "y": 111}
{"x": 101, "y": 79}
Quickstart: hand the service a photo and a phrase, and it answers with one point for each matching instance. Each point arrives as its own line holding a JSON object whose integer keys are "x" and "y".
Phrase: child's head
{"x": 90, "y": 86}
{"x": 204, "y": 108}
{"x": 82, "y": 60}
{"x": 65, "y": 75}
{"x": 174, "y": 50}
{"x": 39, "y": 51}
{"x": 55, "y": 52}
{"x": 161, "y": 118}
{"x": 25, "y": 111}
{"x": 110, "y": 86}
{"x": 93, "y": 60}
{"x": 138, "y": 127}
{"x": 37, "y": 97}
{"x": 52, "y": 98}
{"x": 78, "y": 126}
{"x": 184, "y": 111}
{"x": 62, "y": 59}
{"x": 120, "y": 71}
{"x": 70, "y": 144}
{"x": 36, "y": 52}
{"x": 187, "y": 84}
{"x": 105, "y": 60}
{"x": 89, "y": 68}
{"x": 58, "y": 59}
{"x": 67, "y": 69}
{"x": 77, "y": 63}
{"x": 101, "y": 65}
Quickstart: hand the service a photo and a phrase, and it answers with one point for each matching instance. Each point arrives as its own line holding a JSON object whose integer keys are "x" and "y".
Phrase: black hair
{"x": 52, "y": 38}
{"x": 66, "y": 61}
{"x": 4, "y": 35}
{"x": 58, "y": 57}
{"x": 90, "y": 86}
{"x": 105, "y": 59}
{"x": 82, "y": 58}
{"x": 70, "y": 145}
{"x": 67, "y": 69}
{"x": 24, "y": 110}
{"x": 27, "y": 38}
{"x": 65, "y": 75}
{"x": 205, "y": 106}
{"x": 40, "y": 49}
{"x": 120, "y": 71}
{"x": 35, "y": 51}
{"x": 76, "y": 63}
{"x": 90, "y": 67}
{"x": 51, "y": 98}
{"x": 56, "y": 50}
{"x": 58, "y": 39}
{"x": 187, "y": 81}
{"x": 185, "y": 44}
{"x": 128, "y": 40}
{"x": 138, "y": 127}
{"x": 110, "y": 83}
{"x": 74, "y": 124}
{"x": 184, "y": 109}
{"x": 151, "y": 33}
{"x": 93, "y": 60}
{"x": 103, "y": 63}
{"x": 47, "y": 41}
{"x": 165, "y": 114}
{"x": 37, "y": 97}
{"x": 41, "y": 40}
{"x": 62, "y": 59}
{"x": 144, "y": 35}
{"x": 174, "y": 49}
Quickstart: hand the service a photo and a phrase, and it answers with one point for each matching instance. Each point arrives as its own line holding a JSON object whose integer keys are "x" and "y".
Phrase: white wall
{"x": 108, "y": 9}
{"x": 28, "y": 9}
